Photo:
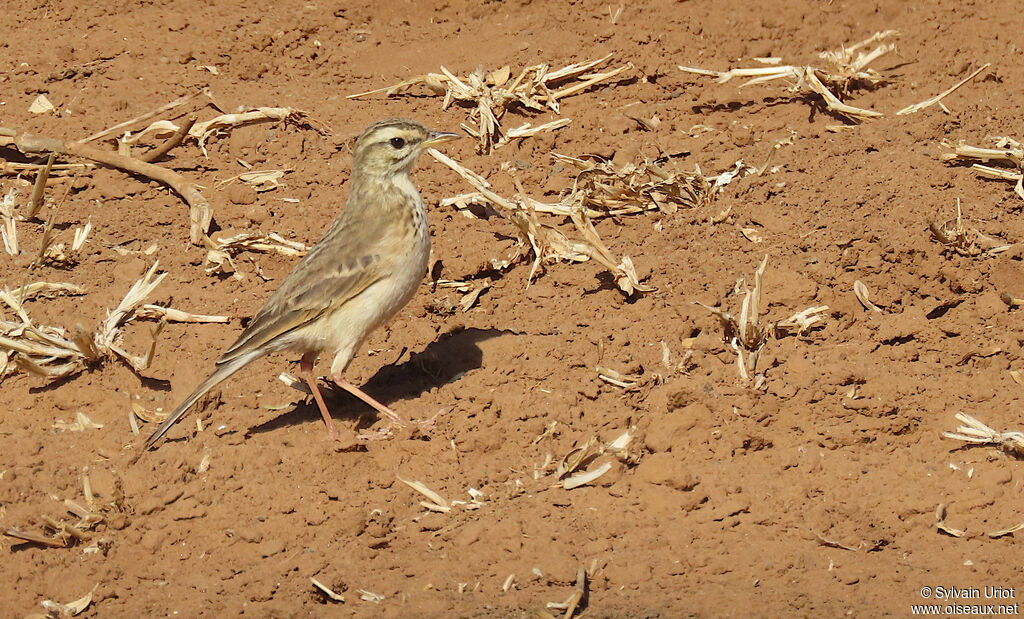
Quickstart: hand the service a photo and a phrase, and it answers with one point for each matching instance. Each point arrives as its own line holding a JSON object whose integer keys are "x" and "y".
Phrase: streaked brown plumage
{"x": 363, "y": 270}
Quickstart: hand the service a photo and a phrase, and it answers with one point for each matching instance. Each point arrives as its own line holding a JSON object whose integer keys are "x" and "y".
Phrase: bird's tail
{"x": 222, "y": 373}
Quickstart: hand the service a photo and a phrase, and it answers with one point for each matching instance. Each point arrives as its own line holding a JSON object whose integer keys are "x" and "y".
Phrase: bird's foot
{"x": 426, "y": 424}
{"x": 376, "y": 435}
{"x": 343, "y": 439}
{"x": 398, "y": 425}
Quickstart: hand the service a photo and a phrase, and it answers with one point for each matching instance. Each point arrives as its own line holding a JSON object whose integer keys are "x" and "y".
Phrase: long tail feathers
{"x": 222, "y": 373}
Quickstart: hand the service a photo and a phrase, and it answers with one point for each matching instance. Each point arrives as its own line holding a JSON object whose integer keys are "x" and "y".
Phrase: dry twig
{"x": 176, "y": 138}
{"x": 330, "y": 593}
{"x": 850, "y": 71}
{"x": 577, "y": 600}
{"x": 974, "y": 431}
{"x": 963, "y": 240}
{"x": 36, "y": 201}
{"x": 221, "y": 252}
{"x": 748, "y": 333}
{"x": 1008, "y": 152}
{"x": 200, "y": 213}
{"x": 180, "y": 101}
{"x": 199, "y": 209}
{"x": 917, "y": 107}
{"x": 52, "y": 353}
{"x": 547, "y": 243}
{"x": 201, "y": 132}
{"x": 8, "y": 227}
{"x": 494, "y": 93}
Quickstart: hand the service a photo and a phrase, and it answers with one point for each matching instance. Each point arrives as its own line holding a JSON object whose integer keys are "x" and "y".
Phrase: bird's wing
{"x": 317, "y": 286}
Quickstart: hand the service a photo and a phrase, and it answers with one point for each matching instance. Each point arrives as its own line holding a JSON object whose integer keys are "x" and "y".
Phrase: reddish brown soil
{"x": 736, "y": 489}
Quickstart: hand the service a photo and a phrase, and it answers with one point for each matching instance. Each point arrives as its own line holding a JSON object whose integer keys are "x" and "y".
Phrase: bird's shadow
{"x": 443, "y": 361}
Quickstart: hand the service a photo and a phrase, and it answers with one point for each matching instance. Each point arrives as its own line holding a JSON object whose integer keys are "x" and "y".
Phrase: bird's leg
{"x": 392, "y": 416}
{"x": 306, "y": 367}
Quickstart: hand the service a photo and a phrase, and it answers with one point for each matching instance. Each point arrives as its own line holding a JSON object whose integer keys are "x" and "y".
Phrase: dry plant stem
{"x": 173, "y": 315}
{"x": 202, "y": 131}
{"x": 917, "y": 107}
{"x": 108, "y": 335}
{"x": 37, "y": 190}
{"x": 575, "y": 88}
{"x": 833, "y": 101}
{"x": 940, "y": 522}
{"x": 48, "y": 235}
{"x": 1008, "y": 531}
{"x": 578, "y": 595}
{"x": 749, "y": 334}
{"x": 802, "y": 75}
{"x": 963, "y": 240}
{"x": 602, "y": 189}
{"x": 326, "y": 590}
{"x": 47, "y": 238}
{"x": 1013, "y": 156}
{"x": 974, "y": 431}
{"x": 200, "y": 212}
{"x": 8, "y": 225}
{"x": 258, "y": 115}
{"x": 494, "y": 93}
{"x": 34, "y": 538}
{"x": 47, "y": 352}
{"x": 1010, "y": 300}
{"x": 61, "y": 527}
{"x": 11, "y": 166}
{"x": 171, "y": 142}
{"x": 170, "y": 106}
{"x": 547, "y": 242}
{"x": 848, "y": 69}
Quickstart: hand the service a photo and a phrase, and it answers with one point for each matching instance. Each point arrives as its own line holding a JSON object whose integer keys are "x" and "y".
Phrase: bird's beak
{"x": 440, "y": 137}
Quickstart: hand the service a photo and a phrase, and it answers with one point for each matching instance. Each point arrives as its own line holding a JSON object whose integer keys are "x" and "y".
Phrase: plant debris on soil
{"x": 690, "y": 349}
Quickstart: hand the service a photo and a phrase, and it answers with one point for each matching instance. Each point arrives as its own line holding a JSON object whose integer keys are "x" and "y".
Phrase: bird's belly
{"x": 342, "y": 332}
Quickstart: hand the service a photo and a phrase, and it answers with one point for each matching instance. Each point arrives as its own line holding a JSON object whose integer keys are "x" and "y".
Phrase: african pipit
{"x": 365, "y": 268}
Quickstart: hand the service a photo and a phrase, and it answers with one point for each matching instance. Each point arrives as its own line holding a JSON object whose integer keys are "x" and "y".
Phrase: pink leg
{"x": 392, "y": 416}
{"x": 306, "y": 367}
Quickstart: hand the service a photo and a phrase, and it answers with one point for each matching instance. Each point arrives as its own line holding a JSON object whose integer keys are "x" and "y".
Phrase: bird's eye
{"x": 397, "y": 143}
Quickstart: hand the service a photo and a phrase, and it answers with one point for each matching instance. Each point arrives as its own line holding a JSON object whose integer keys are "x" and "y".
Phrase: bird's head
{"x": 392, "y": 146}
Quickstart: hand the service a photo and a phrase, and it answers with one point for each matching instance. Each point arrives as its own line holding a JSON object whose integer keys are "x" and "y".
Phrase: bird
{"x": 363, "y": 270}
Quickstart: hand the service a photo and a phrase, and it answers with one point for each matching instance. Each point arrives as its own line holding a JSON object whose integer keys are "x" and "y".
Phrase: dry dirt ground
{"x": 809, "y": 489}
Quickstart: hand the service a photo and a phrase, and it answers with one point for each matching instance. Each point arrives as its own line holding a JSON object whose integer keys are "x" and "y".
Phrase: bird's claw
{"x": 401, "y": 424}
